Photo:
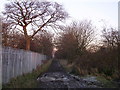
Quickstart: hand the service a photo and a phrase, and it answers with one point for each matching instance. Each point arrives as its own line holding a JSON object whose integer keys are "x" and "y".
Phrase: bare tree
{"x": 84, "y": 32}
{"x": 111, "y": 40}
{"x": 5, "y": 34}
{"x": 42, "y": 43}
{"x": 10, "y": 37}
{"x": 76, "y": 38}
{"x": 34, "y": 16}
{"x": 111, "y": 37}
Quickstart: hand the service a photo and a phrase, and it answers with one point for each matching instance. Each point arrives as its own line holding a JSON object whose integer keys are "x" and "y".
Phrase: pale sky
{"x": 99, "y": 11}
{"x": 95, "y": 10}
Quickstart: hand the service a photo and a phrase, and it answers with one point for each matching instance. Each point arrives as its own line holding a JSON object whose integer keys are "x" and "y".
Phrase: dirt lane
{"x": 56, "y": 77}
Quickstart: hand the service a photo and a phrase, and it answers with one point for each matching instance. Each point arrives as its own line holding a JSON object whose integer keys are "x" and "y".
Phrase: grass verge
{"x": 28, "y": 80}
{"x": 107, "y": 83}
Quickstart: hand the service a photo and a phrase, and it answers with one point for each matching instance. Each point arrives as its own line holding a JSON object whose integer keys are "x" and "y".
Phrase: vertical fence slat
{"x": 15, "y": 62}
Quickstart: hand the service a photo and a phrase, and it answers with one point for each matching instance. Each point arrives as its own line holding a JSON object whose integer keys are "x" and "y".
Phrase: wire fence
{"x": 16, "y": 62}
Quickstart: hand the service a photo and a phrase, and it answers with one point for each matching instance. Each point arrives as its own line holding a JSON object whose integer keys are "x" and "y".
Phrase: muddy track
{"x": 57, "y": 77}
{"x": 56, "y": 67}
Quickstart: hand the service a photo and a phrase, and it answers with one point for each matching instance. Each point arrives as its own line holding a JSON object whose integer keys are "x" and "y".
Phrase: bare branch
{"x": 35, "y": 14}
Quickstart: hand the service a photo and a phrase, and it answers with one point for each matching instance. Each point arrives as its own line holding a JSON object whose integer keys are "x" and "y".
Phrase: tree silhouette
{"x": 34, "y": 16}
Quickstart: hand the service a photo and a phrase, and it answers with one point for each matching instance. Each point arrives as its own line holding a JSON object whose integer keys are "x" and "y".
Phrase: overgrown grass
{"x": 107, "y": 81}
{"x": 69, "y": 67}
{"x": 28, "y": 80}
{"x": 0, "y": 85}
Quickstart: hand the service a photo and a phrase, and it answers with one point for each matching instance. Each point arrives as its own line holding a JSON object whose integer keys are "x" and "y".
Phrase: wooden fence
{"x": 16, "y": 62}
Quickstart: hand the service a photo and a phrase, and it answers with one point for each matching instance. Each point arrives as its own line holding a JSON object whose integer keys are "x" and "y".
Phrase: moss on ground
{"x": 28, "y": 80}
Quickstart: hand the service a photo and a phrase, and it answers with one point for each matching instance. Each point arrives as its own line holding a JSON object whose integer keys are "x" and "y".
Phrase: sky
{"x": 100, "y": 12}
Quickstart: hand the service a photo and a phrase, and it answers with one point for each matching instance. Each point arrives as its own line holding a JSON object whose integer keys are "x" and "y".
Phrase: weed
{"x": 28, "y": 80}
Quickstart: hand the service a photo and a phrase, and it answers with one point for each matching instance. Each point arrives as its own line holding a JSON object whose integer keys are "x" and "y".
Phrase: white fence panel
{"x": 16, "y": 62}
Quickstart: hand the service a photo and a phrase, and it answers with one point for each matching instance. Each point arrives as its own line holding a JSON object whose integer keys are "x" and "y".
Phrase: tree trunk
{"x": 28, "y": 43}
